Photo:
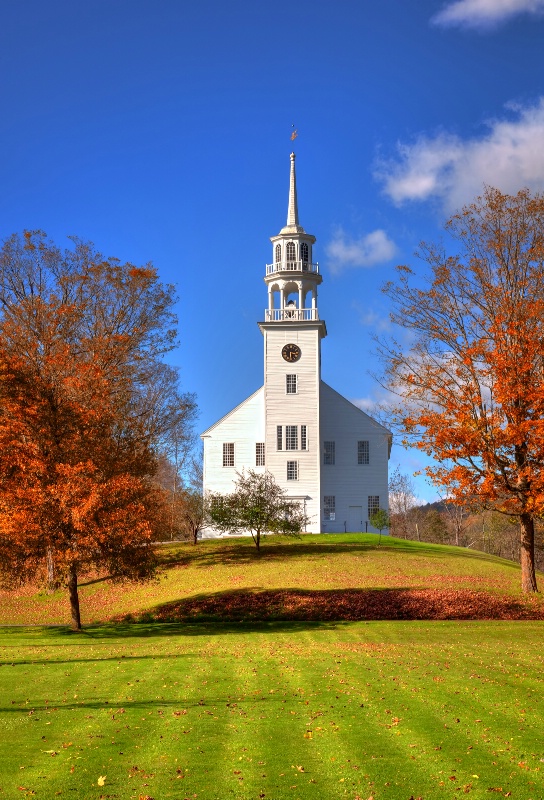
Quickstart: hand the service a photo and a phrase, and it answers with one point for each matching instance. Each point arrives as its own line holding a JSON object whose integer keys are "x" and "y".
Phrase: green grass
{"x": 279, "y": 710}
{"x": 312, "y": 563}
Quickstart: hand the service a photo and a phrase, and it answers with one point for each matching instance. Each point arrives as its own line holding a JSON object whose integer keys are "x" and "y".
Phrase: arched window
{"x": 278, "y": 253}
{"x": 304, "y": 253}
{"x": 291, "y": 251}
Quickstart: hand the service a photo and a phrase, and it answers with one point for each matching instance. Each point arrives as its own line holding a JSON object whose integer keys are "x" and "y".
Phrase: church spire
{"x": 292, "y": 225}
{"x": 292, "y": 210}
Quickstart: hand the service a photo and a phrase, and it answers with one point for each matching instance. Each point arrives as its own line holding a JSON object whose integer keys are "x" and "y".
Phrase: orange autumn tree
{"x": 471, "y": 381}
{"x": 85, "y": 402}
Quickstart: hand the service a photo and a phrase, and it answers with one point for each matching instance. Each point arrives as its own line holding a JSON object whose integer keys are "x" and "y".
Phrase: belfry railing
{"x": 291, "y": 266}
{"x": 293, "y": 314}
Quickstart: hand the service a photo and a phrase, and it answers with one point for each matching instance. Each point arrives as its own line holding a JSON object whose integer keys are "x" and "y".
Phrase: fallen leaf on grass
{"x": 101, "y": 780}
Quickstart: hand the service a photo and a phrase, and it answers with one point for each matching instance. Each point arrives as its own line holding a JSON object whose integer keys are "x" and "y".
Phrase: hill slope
{"x": 315, "y": 577}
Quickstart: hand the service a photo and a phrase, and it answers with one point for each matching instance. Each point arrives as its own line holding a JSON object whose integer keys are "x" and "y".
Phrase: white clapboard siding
{"x": 297, "y": 409}
{"x": 244, "y": 426}
{"x": 349, "y": 482}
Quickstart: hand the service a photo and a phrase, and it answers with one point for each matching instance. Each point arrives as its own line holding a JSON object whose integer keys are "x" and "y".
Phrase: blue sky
{"x": 159, "y": 130}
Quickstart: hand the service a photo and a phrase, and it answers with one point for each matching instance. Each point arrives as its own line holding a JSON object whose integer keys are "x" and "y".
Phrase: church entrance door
{"x": 355, "y": 519}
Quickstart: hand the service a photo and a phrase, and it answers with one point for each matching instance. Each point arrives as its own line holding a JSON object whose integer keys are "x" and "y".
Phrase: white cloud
{"x": 374, "y": 248}
{"x": 484, "y": 13}
{"x": 367, "y": 404}
{"x": 378, "y": 405}
{"x": 509, "y": 156}
{"x": 377, "y": 321}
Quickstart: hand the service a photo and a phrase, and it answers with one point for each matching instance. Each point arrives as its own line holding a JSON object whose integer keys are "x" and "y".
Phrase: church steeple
{"x": 292, "y": 225}
{"x": 292, "y": 277}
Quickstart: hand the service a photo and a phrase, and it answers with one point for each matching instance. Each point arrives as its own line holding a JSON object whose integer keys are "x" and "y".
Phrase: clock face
{"x": 291, "y": 352}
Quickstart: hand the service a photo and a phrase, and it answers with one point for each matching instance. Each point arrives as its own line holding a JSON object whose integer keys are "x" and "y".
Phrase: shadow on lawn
{"x": 342, "y": 605}
{"x": 177, "y": 707}
{"x": 282, "y": 611}
{"x": 243, "y": 551}
{"x": 147, "y": 629}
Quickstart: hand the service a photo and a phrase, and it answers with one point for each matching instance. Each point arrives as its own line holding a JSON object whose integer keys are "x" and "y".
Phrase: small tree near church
{"x": 257, "y": 505}
{"x": 380, "y": 520}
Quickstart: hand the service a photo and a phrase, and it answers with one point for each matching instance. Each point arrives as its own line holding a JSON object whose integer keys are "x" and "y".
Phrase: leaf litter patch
{"x": 347, "y": 604}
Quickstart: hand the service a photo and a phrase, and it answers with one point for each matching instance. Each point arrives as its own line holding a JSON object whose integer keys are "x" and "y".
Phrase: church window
{"x": 228, "y": 454}
{"x": 304, "y": 253}
{"x": 279, "y": 437}
{"x": 329, "y": 453}
{"x": 291, "y": 384}
{"x": 329, "y": 507}
{"x": 291, "y": 437}
{"x": 292, "y": 470}
{"x": 278, "y": 253}
{"x": 363, "y": 455}
{"x": 291, "y": 251}
{"x": 259, "y": 454}
{"x": 303, "y": 437}
{"x": 373, "y": 504}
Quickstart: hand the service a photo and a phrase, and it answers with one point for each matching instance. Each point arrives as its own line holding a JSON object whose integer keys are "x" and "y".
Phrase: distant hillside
{"x": 438, "y": 505}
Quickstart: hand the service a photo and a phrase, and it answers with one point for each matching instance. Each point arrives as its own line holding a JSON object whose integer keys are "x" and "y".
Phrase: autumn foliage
{"x": 84, "y": 401}
{"x": 471, "y": 382}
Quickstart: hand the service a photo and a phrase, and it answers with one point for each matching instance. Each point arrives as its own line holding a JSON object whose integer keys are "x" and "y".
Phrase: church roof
{"x": 231, "y": 412}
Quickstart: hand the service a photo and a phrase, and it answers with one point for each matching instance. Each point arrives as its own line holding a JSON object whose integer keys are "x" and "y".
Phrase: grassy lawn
{"x": 249, "y": 679}
{"x": 273, "y": 710}
{"x": 206, "y": 581}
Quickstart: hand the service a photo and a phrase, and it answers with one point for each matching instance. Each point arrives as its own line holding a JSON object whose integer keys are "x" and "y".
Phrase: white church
{"x": 323, "y": 450}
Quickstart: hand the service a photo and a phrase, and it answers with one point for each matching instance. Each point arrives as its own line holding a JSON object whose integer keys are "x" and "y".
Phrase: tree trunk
{"x": 52, "y": 584}
{"x": 74, "y": 598}
{"x": 258, "y": 540}
{"x": 527, "y": 554}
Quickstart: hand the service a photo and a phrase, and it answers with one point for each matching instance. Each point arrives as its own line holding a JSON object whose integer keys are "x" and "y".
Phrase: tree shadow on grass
{"x": 290, "y": 611}
{"x": 177, "y": 707}
{"x": 90, "y": 582}
{"x": 152, "y": 628}
{"x": 332, "y": 606}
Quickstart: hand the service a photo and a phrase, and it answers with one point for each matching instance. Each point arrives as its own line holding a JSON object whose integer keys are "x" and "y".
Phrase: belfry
{"x": 323, "y": 450}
